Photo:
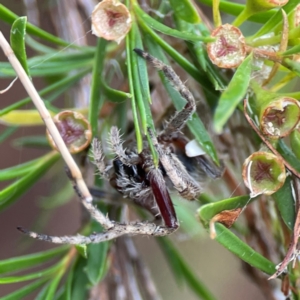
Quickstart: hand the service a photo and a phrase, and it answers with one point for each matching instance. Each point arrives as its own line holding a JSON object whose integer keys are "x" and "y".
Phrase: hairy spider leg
{"x": 115, "y": 230}
{"x": 187, "y": 187}
{"x": 119, "y": 229}
{"x": 116, "y": 145}
{"x": 178, "y": 121}
{"x": 99, "y": 158}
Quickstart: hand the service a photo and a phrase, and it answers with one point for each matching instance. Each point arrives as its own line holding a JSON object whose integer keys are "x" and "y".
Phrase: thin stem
{"x": 241, "y": 18}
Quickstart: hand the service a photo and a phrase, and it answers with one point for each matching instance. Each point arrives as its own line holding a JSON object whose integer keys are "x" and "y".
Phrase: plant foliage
{"x": 174, "y": 33}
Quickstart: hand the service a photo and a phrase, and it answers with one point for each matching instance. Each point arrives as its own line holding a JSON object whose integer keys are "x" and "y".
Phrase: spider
{"x": 135, "y": 176}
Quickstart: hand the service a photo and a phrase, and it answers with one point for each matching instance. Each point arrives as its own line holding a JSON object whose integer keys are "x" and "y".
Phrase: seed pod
{"x": 229, "y": 49}
{"x": 279, "y": 117}
{"x": 111, "y": 20}
{"x": 74, "y": 129}
{"x": 263, "y": 173}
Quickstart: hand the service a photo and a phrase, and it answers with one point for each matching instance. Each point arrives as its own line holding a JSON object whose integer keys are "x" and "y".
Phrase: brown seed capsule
{"x": 263, "y": 173}
{"x": 74, "y": 129}
{"x": 229, "y": 49}
{"x": 111, "y": 20}
{"x": 280, "y": 117}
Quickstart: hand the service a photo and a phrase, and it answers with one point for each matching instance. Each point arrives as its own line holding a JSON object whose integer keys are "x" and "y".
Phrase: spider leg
{"x": 140, "y": 228}
{"x": 111, "y": 229}
{"x": 178, "y": 121}
{"x": 116, "y": 145}
{"x": 99, "y": 158}
{"x": 182, "y": 181}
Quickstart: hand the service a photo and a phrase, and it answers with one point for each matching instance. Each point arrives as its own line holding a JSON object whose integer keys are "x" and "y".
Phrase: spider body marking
{"x": 136, "y": 177}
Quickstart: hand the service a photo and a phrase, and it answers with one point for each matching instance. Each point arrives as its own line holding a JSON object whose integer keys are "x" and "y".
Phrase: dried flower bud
{"x": 74, "y": 129}
{"x": 229, "y": 49}
{"x": 225, "y": 217}
{"x": 279, "y": 117}
{"x": 263, "y": 173}
{"x": 111, "y": 20}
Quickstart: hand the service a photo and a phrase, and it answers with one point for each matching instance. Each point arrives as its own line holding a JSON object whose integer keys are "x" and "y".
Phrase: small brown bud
{"x": 280, "y": 117}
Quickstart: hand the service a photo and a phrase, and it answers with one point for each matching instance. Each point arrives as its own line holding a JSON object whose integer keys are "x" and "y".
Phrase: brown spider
{"x": 135, "y": 176}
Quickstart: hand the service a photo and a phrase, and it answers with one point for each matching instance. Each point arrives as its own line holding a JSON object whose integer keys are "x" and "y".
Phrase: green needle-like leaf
{"x": 79, "y": 286}
{"x": 19, "y": 170}
{"x": 44, "y": 273}
{"x": 97, "y": 258}
{"x": 67, "y": 288}
{"x": 9, "y": 17}
{"x": 293, "y": 50}
{"x": 17, "y": 41}
{"x": 286, "y": 203}
{"x": 235, "y": 9}
{"x": 52, "y": 64}
{"x": 208, "y": 211}
{"x": 11, "y": 193}
{"x": 37, "y": 141}
{"x": 141, "y": 87}
{"x": 82, "y": 250}
{"x": 139, "y": 139}
{"x": 26, "y": 290}
{"x": 292, "y": 65}
{"x": 288, "y": 155}
{"x": 231, "y": 242}
{"x": 185, "y": 10}
{"x": 42, "y": 294}
{"x": 180, "y": 59}
{"x": 113, "y": 95}
{"x": 96, "y": 98}
{"x": 16, "y": 264}
{"x": 53, "y": 285}
{"x": 7, "y": 132}
{"x": 233, "y": 95}
{"x": 156, "y": 25}
{"x": 140, "y": 79}
{"x": 275, "y": 20}
{"x": 57, "y": 87}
